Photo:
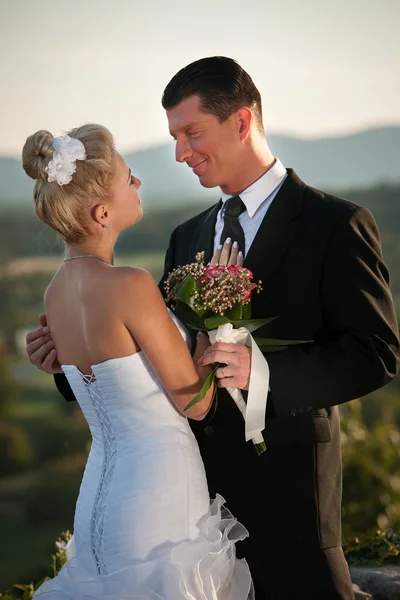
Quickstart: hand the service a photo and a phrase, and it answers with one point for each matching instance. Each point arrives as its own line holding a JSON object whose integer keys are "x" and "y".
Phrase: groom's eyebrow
{"x": 130, "y": 174}
{"x": 185, "y": 127}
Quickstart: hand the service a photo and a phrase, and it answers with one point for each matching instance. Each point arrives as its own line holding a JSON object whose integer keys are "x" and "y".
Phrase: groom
{"x": 320, "y": 261}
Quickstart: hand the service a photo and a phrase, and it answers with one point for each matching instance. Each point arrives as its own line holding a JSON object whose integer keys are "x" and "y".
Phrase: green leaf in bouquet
{"x": 252, "y": 324}
{"x": 215, "y": 321}
{"x": 275, "y": 345}
{"x": 235, "y": 313}
{"x": 206, "y": 386}
{"x": 190, "y": 317}
{"x": 185, "y": 292}
{"x": 246, "y": 312}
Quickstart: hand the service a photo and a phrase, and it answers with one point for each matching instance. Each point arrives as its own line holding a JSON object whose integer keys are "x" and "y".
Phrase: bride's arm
{"x": 145, "y": 315}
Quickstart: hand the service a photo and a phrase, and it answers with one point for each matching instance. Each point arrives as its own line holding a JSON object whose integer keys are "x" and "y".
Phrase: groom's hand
{"x": 40, "y": 349}
{"x": 236, "y": 357}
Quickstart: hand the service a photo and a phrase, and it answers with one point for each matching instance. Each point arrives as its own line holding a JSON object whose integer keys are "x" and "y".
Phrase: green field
{"x": 26, "y": 550}
{"x": 56, "y": 439}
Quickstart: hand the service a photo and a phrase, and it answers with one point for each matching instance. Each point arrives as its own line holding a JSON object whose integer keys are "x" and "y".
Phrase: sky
{"x": 323, "y": 67}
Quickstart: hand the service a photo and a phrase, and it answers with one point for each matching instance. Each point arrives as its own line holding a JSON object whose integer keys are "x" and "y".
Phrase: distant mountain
{"x": 364, "y": 159}
{"x": 336, "y": 164}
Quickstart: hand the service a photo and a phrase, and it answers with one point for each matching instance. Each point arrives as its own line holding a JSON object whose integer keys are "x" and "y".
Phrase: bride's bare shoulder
{"x": 138, "y": 300}
{"x": 130, "y": 275}
{"x": 135, "y": 282}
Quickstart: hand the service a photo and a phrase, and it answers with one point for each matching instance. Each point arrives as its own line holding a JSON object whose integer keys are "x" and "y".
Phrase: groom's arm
{"x": 361, "y": 353}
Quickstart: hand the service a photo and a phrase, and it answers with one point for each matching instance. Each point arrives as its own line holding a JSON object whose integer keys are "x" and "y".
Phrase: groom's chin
{"x": 207, "y": 182}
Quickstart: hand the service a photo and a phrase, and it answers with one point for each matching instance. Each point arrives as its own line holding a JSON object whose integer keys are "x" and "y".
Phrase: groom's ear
{"x": 245, "y": 120}
{"x": 100, "y": 214}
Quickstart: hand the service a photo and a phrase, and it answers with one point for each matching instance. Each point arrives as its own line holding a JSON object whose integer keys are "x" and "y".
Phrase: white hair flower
{"x": 67, "y": 151}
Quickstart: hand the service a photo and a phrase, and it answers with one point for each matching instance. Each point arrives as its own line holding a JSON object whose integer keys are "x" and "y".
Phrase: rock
{"x": 382, "y": 582}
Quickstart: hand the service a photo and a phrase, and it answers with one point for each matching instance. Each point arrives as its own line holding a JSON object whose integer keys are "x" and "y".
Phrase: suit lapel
{"x": 206, "y": 232}
{"x": 277, "y": 229}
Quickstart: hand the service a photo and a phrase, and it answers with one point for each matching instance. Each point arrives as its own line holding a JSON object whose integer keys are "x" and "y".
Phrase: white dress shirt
{"x": 257, "y": 199}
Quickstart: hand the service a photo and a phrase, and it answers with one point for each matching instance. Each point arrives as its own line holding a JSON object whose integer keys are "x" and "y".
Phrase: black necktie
{"x": 232, "y": 228}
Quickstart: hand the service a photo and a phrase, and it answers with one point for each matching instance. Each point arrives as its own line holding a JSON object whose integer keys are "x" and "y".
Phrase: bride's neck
{"x": 103, "y": 250}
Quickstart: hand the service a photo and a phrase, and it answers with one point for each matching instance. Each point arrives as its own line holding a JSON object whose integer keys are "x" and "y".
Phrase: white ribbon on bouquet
{"x": 254, "y": 411}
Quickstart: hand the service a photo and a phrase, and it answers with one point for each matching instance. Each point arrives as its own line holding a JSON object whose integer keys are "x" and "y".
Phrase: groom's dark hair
{"x": 222, "y": 85}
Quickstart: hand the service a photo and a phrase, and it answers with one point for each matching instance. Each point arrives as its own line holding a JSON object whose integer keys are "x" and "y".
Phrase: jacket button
{"x": 209, "y": 430}
{"x": 293, "y": 412}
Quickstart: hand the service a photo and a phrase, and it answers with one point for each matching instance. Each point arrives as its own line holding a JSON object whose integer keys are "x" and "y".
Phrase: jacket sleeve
{"x": 168, "y": 263}
{"x": 63, "y": 387}
{"x": 358, "y": 351}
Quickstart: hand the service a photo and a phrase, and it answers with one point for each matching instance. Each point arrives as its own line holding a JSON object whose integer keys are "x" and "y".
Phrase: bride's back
{"x": 82, "y": 305}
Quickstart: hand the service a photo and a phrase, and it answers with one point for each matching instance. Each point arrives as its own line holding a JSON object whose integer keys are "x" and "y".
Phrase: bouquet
{"x": 217, "y": 300}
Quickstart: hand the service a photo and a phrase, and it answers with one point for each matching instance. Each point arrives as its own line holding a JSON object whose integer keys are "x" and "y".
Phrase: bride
{"x": 144, "y": 526}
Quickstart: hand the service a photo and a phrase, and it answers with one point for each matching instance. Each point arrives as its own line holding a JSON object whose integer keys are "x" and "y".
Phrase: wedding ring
{"x": 222, "y": 371}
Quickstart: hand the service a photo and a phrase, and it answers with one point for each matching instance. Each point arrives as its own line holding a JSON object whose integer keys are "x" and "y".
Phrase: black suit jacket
{"x": 320, "y": 260}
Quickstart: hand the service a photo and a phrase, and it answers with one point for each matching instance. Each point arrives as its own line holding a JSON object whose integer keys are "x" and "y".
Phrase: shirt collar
{"x": 257, "y": 192}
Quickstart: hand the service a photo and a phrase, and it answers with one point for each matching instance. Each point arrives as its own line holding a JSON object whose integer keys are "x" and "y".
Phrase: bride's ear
{"x": 100, "y": 214}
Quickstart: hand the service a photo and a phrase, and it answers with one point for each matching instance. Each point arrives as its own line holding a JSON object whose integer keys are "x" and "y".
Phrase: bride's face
{"x": 126, "y": 209}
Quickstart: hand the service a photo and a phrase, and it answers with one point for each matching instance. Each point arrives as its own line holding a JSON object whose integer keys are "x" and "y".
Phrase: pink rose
{"x": 248, "y": 293}
{"x": 248, "y": 273}
{"x": 233, "y": 269}
{"x": 211, "y": 271}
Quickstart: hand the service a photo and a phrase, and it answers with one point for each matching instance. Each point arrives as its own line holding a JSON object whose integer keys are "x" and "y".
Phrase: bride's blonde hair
{"x": 65, "y": 208}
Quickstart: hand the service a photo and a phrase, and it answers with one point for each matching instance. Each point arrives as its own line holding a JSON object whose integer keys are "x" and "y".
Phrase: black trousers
{"x": 289, "y": 574}
{"x": 288, "y": 499}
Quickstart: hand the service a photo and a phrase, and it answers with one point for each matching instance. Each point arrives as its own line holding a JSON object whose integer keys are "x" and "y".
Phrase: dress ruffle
{"x": 202, "y": 569}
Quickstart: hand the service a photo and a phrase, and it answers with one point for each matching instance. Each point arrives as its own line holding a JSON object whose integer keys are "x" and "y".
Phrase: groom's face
{"x": 210, "y": 148}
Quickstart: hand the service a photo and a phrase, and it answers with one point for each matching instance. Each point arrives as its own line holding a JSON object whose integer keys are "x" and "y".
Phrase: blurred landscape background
{"x": 44, "y": 440}
{"x": 331, "y": 102}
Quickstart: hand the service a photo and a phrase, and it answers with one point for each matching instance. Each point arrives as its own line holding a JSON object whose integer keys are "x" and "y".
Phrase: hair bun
{"x": 36, "y": 154}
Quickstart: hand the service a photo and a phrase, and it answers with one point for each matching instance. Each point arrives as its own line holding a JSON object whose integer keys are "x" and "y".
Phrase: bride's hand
{"x": 227, "y": 255}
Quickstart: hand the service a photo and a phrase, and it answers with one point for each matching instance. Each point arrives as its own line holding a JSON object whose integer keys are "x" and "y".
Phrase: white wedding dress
{"x": 144, "y": 526}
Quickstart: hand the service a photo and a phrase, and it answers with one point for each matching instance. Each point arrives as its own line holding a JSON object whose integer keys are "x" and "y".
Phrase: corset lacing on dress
{"x": 110, "y": 455}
